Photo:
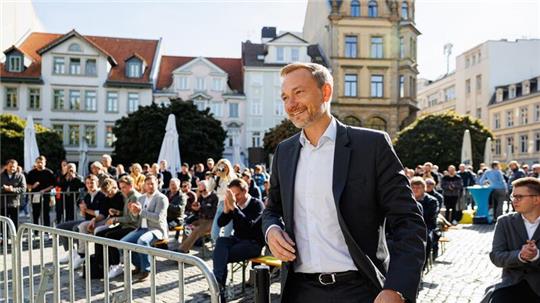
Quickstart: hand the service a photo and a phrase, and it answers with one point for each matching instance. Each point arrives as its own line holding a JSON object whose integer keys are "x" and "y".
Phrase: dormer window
{"x": 74, "y": 47}
{"x": 280, "y": 57}
{"x": 512, "y": 92}
{"x": 404, "y": 10}
{"x": 355, "y": 8}
{"x": 526, "y": 87}
{"x": 15, "y": 63}
{"x": 134, "y": 68}
{"x": 499, "y": 95}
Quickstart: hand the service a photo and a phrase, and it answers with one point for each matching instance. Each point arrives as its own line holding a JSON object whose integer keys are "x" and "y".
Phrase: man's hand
{"x": 281, "y": 245}
{"x": 110, "y": 221}
{"x": 528, "y": 251}
{"x": 229, "y": 202}
{"x": 8, "y": 188}
{"x": 388, "y": 296}
{"x": 135, "y": 208}
{"x": 91, "y": 226}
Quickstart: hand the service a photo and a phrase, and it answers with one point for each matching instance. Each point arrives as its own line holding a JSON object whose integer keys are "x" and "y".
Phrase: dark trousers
{"x": 71, "y": 226}
{"x": 521, "y": 292}
{"x": 300, "y": 290}
{"x": 37, "y": 208}
{"x": 115, "y": 233}
{"x": 450, "y": 204}
{"x": 232, "y": 249}
{"x": 10, "y": 212}
{"x": 65, "y": 204}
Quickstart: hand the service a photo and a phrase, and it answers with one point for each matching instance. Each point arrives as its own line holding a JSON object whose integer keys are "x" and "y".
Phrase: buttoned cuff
{"x": 537, "y": 255}
{"x": 520, "y": 259}
{"x": 272, "y": 226}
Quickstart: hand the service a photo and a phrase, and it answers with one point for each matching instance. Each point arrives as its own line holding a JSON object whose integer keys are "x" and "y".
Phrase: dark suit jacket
{"x": 510, "y": 236}
{"x": 369, "y": 187}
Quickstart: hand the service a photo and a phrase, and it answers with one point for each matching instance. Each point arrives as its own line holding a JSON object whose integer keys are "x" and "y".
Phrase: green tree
{"x": 277, "y": 134}
{"x": 12, "y": 141}
{"x": 438, "y": 139}
{"x": 140, "y": 134}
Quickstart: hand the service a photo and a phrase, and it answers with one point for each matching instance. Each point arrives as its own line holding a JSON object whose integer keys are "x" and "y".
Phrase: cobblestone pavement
{"x": 460, "y": 274}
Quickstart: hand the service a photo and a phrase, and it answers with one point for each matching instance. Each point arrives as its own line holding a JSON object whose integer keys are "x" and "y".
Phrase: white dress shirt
{"x": 320, "y": 242}
{"x": 144, "y": 222}
{"x": 531, "y": 228}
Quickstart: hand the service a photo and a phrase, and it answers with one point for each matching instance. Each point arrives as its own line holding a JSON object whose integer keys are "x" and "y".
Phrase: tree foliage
{"x": 140, "y": 134}
{"x": 12, "y": 141}
{"x": 438, "y": 139}
{"x": 277, "y": 134}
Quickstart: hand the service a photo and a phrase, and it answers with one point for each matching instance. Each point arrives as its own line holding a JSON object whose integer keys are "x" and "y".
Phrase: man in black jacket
{"x": 13, "y": 185}
{"x": 430, "y": 210}
{"x": 40, "y": 181}
{"x": 247, "y": 242}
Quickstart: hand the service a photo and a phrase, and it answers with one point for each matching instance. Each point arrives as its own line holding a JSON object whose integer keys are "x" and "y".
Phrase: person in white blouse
{"x": 515, "y": 247}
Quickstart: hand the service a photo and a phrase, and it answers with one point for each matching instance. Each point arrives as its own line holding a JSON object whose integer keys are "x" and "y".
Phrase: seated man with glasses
{"x": 515, "y": 247}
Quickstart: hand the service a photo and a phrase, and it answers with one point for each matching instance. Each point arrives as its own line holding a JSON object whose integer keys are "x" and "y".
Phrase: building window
{"x": 372, "y": 9}
{"x": 526, "y": 88}
{"x": 433, "y": 99}
{"x": 413, "y": 48}
{"x": 537, "y": 142}
{"x": 233, "y": 110}
{"x": 90, "y": 103}
{"x": 509, "y": 118}
{"x": 479, "y": 113}
{"x": 499, "y": 95}
{"x": 523, "y": 116}
{"x": 295, "y": 54}
{"x": 11, "y": 98}
{"x": 377, "y": 86}
{"x": 280, "y": 54}
{"x": 350, "y": 46}
{"x": 537, "y": 112}
{"x": 412, "y": 86}
{"x": 217, "y": 108}
{"x": 217, "y": 86}
{"x": 182, "y": 82}
{"x": 34, "y": 99}
{"x": 200, "y": 83}
{"x": 200, "y": 104}
{"x": 468, "y": 86}
{"x": 90, "y": 134}
{"x": 256, "y": 107}
{"x": 404, "y": 10}
{"x": 90, "y": 68}
{"x": 133, "y": 102}
{"x": 73, "y": 133}
{"x": 497, "y": 146}
{"x": 256, "y": 139}
{"x": 510, "y": 144}
{"x": 134, "y": 68}
{"x": 74, "y": 47}
{"x": 376, "y": 123}
{"x": 59, "y": 129}
{"x": 112, "y": 102}
{"x": 58, "y": 65}
{"x": 478, "y": 83}
{"x": 58, "y": 99}
{"x": 376, "y": 47}
{"x": 15, "y": 63}
{"x": 350, "y": 85}
{"x": 467, "y": 62}
{"x": 278, "y": 108}
{"x": 497, "y": 121}
{"x": 75, "y": 66}
{"x": 74, "y": 100}
{"x": 524, "y": 143}
{"x": 511, "y": 92}
{"x": 109, "y": 136}
{"x": 355, "y": 8}
{"x": 450, "y": 93}
{"x": 401, "y": 47}
{"x": 401, "y": 86}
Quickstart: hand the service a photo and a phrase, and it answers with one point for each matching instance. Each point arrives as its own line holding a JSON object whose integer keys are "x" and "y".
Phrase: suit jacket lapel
{"x": 291, "y": 154}
{"x": 520, "y": 227}
{"x": 342, "y": 155}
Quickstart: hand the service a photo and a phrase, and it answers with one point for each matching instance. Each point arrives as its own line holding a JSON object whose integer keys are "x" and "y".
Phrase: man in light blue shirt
{"x": 496, "y": 181}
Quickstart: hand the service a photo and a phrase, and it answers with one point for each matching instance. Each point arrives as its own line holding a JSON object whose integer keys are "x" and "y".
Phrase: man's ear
{"x": 326, "y": 92}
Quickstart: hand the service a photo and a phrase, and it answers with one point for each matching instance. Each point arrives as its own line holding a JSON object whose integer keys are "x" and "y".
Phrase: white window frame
{"x": 15, "y": 63}
{"x": 74, "y": 68}
{"x": 33, "y": 95}
{"x": 295, "y": 54}
{"x": 280, "y": 54}
{"x": 59, "y": 65}
{"x": 90, "y": 102}
{"x": 60, "y": 97}
{"x": 377, "y": 87}
{"x": 236, "y": 111}
{"x": 256, "y": 107}
{"x": 112, "y": 102}
{"x": 133, "y": 102}
{"x": 74, "y": 98}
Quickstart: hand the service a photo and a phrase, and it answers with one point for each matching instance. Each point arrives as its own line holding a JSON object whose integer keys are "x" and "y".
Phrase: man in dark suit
{"x": 515, "y": 247}
{"x": 332, "y": 189}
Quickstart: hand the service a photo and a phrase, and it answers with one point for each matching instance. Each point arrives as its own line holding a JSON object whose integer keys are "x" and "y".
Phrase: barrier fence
{"x": 9, "y": 234}
{"x": 24, "y": 275}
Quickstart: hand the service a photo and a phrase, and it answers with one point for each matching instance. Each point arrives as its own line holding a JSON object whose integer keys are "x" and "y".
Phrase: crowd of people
{"x": 141, "y": 206}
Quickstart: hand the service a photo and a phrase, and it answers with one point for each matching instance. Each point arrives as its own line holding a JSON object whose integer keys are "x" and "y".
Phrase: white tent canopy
{"x": 466, "y": 149}
{"x": 488, "y": 157}
{"x": 83, "y": 158}
{"x": 31, "y": 150}
{"x": 170, "y": 150}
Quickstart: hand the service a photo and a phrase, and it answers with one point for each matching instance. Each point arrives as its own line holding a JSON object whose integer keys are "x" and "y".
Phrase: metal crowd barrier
{"x": 9, "y": 234}
{"x": 51, "y": 271}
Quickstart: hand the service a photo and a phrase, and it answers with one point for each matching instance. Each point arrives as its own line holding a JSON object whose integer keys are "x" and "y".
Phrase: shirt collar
{"x": 537, "y": 221}
{"x": 149, "y": 197}
{"x": 328, "y": 135}
{"x": 246, "y": 204}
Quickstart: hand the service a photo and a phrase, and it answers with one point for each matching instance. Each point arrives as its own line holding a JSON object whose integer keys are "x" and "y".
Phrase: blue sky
{"x": 217, "y": 28}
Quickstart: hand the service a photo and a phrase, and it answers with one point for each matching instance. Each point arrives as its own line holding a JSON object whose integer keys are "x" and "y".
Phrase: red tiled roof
{"x": 232, "y": 66}
{"x": 118, "y": 48}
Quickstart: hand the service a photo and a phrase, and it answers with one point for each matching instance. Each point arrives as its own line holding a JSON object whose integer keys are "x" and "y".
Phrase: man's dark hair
{"x": 494, "y": 164}
{"x": 240, "y": 183}
{"x": 11, "y": 161}
{"x": 532, "y": 184}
